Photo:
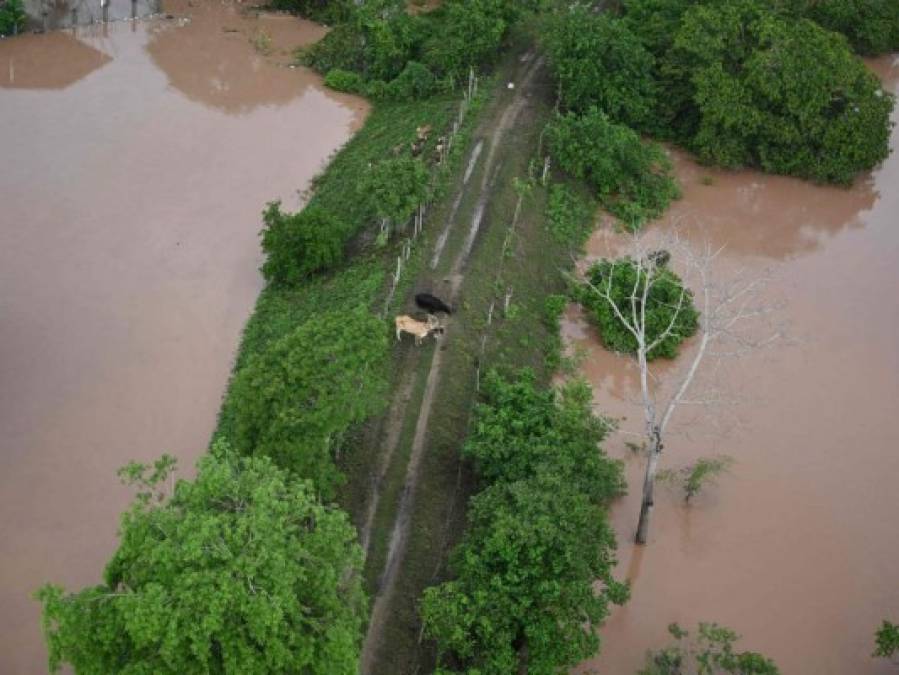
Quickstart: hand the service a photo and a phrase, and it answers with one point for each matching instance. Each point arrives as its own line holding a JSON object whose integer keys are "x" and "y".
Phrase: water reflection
{"x": 52, "y": 61}
{"x": 224, "y": 57}
{"x": 56, "y": 14}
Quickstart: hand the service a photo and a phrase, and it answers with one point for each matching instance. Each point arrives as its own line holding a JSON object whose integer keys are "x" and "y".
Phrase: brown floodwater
{"x": 797, "y": 548}
{"x": 137, "y": 157}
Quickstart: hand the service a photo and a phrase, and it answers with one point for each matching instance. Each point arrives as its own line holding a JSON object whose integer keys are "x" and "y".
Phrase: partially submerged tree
{"x": 694, "y": 477}
{"x": 241, "y": 571}
{"x": 710, "y": 653}
{"x": 632, "y": 178}
{"x": 724, "y": 308}
{"x": 887, "y": 639}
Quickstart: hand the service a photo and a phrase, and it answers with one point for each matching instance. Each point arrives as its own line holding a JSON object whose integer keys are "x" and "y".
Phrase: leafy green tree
{"x": 670, "y": 316}
{"x": 240, "y": 571}
{"x": 292, "y": 402}
{"x": 711, "y": 653}
{"x": 414, "y": 83}
{"x": 760, "y": 88}
{"x": 12, "y": 17}
{"x": 599, "y": 62}
{"x": 297, "y": 245}
{"x": 632, "y": 179}
{"x": 523, "y": 595}
{"x": 395, "y": 187}
{"x": 887, "y": 640}
{"x": 871, "y": 26}
{"x": 468, "y": 34}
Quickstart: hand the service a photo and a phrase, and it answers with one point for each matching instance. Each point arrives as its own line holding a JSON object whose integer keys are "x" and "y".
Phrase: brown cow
{"x": 420, "y": 329}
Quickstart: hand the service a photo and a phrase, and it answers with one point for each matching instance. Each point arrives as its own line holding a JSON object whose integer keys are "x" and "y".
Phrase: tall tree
{"x": 241, "y": 571}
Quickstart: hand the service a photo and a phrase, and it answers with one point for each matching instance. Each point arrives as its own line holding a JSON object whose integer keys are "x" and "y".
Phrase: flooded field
{"x": 137, "y": 158}
{"x": 797, "y": 548}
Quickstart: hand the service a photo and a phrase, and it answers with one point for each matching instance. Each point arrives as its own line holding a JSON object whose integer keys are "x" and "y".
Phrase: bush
{"x": 759, "y": 88}
{"x": 569, "y": 216}
{"x": 669, "y": 306}
{"x": 599, "y": 62}
{"x": 12, "y": 17}
{"x": 469, "y": 34}
{"x": 415, "y": 82}
{"x": 887, "y": 638}
{"x": 325, "y": 11}
{"x": 234, "y": 573}
{"x": 538, "y": 536}
{"x": 299, "y": 244}
{"x": 346, "y": 81}
{"x": 632, "y": 179}
{"x": 293, "y": 402}
{"x": 395, "y": 187}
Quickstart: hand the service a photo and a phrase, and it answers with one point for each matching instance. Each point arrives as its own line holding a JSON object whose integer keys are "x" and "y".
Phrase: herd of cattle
{"x": 422, "y": 329}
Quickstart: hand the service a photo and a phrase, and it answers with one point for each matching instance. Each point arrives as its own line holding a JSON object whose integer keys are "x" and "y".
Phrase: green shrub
{"x": 12, "y": 17}
{"x": 569, "y": 216}
{"x": 599, "y": 62}
{"x": 633, "y": 179}
{"x": 538, "y": 536}
{"x": 669, "y": 306}
{"x": 325, "y": 11}
{"x": 297, "y": 245}
{"x": 469, "y": 34}
{"x": 232, "y": 573}
{"x": 887, "y": 638}
{"x": 415, "y": 82}
{"x": 292, "y": 402}
{"x": 759, "y": 88}
{"x": 395, "y": 187}
{"x": 346, "y": 81}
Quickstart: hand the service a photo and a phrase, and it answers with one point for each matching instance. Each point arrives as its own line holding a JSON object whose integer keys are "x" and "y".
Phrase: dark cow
{"x": 432, "y": 304}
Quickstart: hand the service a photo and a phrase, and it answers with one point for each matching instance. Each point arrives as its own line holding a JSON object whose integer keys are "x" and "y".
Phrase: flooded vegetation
{"x": 796, "y": 546}
{"x": 138, "y": 157}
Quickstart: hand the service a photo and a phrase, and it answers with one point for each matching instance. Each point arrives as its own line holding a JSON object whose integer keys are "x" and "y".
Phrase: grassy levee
{"x": 530, "y": 264}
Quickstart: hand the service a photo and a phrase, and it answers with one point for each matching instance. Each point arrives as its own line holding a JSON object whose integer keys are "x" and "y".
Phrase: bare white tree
{"x": 727, "y": 310}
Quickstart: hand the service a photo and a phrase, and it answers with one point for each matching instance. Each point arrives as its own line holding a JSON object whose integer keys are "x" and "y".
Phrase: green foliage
{"x": 395, "y": 187}
{"x": 293, "y": 401}
{"x": 746, "y": 85}
{"x": 887, "y": 640}
{"x": 345, "y": 80}
{"x": 297, "y": 245}
{"x": 553, "y": 308}
{"x": 694, "y": 477}
{"x": 632, "y": 179}
{"x": 712, "y": 652}
{"x": 469, "y": 35}
{"x": 538, "y": 536}
{"x": 240, "y": 571}
{"x": 670, "y": 315}
{"x": 414, "y": 83}
{"x": 871, "y": 26}
{"x": 325, "y": 11}
{"x": 12, "y": 17}
{"x": 600, "y": 63}
{"x": 569, "y": 216}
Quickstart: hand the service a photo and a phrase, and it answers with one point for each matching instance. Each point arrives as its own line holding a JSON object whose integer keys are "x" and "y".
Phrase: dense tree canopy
{"x": 292, "y": 402}
{"x": 538, "y": 538}
{"x": 670, "y": 315}
{"x": 299, "y": 244}
{"x": 767, "y": 90}
{"x": 633, "y": 179}
{"x": 599, "y": 62}
{"x": 395, "y": 187}
{"x": 871, "y": 26}
{"x": 240, "y": 571}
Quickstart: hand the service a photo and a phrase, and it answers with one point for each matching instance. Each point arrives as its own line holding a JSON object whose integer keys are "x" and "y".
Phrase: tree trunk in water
{"x": 652, "y": 463}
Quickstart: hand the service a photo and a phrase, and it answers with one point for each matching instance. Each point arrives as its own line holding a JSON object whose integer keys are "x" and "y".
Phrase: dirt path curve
{"x": 495, "y": 129}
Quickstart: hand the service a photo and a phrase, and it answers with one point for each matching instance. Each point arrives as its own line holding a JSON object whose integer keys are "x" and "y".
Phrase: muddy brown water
{"x": 798, "y": 547}
{"x": 137, "y": 157}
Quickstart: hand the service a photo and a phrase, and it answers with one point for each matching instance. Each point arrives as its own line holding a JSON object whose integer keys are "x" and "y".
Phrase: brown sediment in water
{"x": 52, "y": 61}
{"x": 797, "y": 547}
{"x": 129, "y": 260}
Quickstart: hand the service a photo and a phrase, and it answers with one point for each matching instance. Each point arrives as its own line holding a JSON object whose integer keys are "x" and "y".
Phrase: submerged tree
{"x": 724, "y": 309}
{"x": 694, "y": 477}
{"x": 241, "y": 571}
{"x": 710, "y": 653}
{"x": 887, "y": 638}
